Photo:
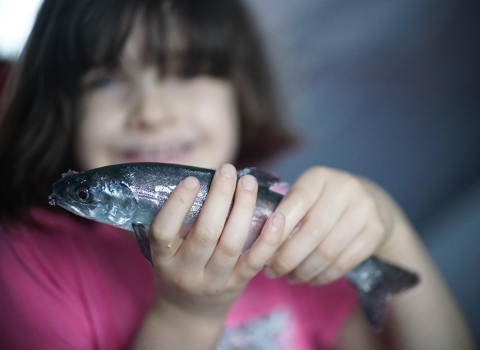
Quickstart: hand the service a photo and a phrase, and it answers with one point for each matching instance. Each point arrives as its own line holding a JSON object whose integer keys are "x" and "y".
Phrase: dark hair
{"x": 71, "y": 37}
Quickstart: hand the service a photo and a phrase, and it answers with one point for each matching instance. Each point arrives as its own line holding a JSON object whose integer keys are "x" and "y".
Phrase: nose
{"x": 153, "y": 105}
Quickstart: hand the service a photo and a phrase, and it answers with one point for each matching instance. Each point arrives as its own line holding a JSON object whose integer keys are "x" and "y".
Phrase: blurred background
{"x": 389, "y": 90}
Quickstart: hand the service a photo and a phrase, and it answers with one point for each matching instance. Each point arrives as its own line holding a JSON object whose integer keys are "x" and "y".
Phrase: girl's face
{"x": 132, "y": 115}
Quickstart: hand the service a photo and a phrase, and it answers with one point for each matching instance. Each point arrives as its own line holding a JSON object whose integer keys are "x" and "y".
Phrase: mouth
{"x": 161, "y": 153}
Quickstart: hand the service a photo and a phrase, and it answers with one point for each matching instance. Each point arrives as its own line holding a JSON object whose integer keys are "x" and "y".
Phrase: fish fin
{"x": 70, "y": 172}
{"x": 280, "y": 187}
{"x": 375, "y": 281}
{"x": 264, "y": 177}
{"x": 141, "y": 233}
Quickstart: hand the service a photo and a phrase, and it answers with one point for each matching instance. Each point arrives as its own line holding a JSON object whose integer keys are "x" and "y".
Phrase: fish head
{"x": 95, "y": 196}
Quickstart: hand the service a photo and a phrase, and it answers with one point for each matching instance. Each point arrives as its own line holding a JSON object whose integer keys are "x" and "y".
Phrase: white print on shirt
{"x": 260, "y": 333}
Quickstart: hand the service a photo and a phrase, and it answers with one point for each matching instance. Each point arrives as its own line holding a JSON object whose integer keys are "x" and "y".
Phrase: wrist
{"x": 400, "y": 243}
{"x": 188, "y": 314}
{"x": 168, "y": 326}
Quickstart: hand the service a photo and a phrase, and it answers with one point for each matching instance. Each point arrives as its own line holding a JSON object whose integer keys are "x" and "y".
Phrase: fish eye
{"x": 82, "y": 194}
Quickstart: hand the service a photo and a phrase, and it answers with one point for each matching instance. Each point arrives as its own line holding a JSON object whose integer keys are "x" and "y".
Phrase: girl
{"x": 105, "y": 82}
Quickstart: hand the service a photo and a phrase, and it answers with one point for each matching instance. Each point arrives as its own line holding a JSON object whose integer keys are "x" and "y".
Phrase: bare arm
{"x": 341, "y": 220}
{"x": 427, "y": 317}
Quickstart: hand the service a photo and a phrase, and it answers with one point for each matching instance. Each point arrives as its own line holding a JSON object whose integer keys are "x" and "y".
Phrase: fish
{"x": 129, "y": 196}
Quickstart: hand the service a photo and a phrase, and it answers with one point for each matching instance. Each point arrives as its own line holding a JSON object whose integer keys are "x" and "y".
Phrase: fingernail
{"x": 269, "y": 273}
{"x": 293, "y": 281}
{"x": 278, "y": 220}
{"x": 191, "y": 182}
{"x": 249, "y": 182}
{"x": 227, "y": 170}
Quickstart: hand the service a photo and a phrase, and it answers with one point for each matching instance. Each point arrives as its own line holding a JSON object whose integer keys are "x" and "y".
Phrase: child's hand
{"x": 338, "y": 220}
{"x": 204, "y": 273}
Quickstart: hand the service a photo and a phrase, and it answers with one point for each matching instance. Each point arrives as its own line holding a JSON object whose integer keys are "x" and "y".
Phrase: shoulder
{"x": 62, "y": 279}
{"x": 308, "y": 314}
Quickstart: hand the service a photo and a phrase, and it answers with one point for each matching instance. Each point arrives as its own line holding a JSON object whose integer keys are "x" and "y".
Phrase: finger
{"x": 361, "y": 248}
{"x": 202, "y": 239}
{"x": 234, "y": 234}
{"x": 308, "y": 235}
{"x": 347, "y": 228}
{"x": 255, "y": 258}
{"x": 168, "y": 222}
{"x": 301, "y": 196}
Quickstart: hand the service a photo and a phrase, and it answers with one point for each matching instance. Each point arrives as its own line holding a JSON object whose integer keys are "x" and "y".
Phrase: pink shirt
{"x": 70, "y": 283}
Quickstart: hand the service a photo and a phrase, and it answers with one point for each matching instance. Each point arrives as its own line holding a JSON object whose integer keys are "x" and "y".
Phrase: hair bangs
{"x": 179, "y": 38}
{"x": 98, "y": 38}
{"x": 196, "y": 39}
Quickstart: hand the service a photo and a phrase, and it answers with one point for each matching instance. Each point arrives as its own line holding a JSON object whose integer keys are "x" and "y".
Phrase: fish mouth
{"x": 56, "y": 201}
{"x": 52, "y": 200}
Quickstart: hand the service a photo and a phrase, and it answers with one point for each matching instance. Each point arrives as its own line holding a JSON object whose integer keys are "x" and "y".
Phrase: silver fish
{"x": 130, "y": 195}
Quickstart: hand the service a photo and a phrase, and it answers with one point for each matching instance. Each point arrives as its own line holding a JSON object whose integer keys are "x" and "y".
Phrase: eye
{"x": 105, "y": 81}
{"x": 101, "y": 78}
{"x": 102, "y": 82}
{"x": 83, "y": 194}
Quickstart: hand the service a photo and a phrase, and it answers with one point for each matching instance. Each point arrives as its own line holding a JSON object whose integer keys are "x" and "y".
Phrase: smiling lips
{"x": 164, "y": 153}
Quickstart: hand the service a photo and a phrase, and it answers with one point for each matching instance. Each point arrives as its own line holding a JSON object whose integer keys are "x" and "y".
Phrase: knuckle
{"x": 281, "y": 265}
{"x": 369, "y": 204}
{"x": 377, "y": 228}
{"x": 181, "y": 283}
{"x": 255, "y": 265}
{"x": 226, "y": 191}
{"x": 157, "y": 233}
{"x": 181, "y": 198}
{"x": 205, "y": 237}
{"x": 351, "y": 183}
{"x": 270, "y": 241}
{"x": 332, "y": 274}
{"x": 297, "y": 198}
{"x": 222, "y": 188}
{"x": 230, "y": 251}
{"x": 244, "y": 204}
{"x": 212, "y": 290}
{"x": 320, "y": 279}
{"x": 326, "y": 277}
{"x": 339, "y": 268}
{"x": 327, "y": 252}
{"x": 315, "y": 232}
{"x": 299, "y": 275}
{"x": 318, "y": 171}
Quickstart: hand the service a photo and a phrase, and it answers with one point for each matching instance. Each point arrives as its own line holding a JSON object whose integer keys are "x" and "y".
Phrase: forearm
{"x": 426, "y": 317}
{"x": 167, "y": 327}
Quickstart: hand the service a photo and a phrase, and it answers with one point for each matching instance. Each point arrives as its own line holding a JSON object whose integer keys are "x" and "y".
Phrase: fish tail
{"x": 375, "y": 281}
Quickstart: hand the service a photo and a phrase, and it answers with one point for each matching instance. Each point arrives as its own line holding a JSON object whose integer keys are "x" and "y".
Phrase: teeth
{"x": 161, "y": 150}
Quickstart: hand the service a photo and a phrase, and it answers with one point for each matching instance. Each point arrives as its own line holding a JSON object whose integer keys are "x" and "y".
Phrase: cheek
{"x": 220, "y": 123}
{"x": 99, "y": 125}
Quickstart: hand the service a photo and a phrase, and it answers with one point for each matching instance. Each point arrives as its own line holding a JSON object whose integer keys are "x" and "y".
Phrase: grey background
{"x": 390, "y": 90}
